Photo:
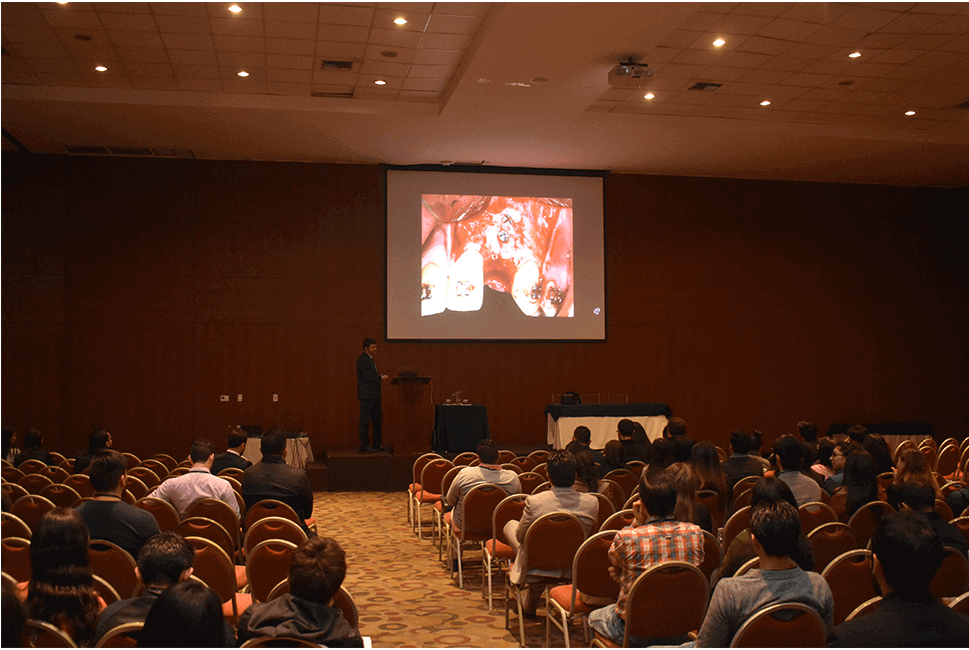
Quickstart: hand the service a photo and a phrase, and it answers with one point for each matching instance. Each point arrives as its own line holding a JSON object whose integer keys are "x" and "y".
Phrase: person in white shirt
{"x": 198, "y": 483}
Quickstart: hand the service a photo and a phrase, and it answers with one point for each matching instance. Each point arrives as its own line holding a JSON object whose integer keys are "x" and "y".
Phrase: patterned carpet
{"x": 404, "y": 595}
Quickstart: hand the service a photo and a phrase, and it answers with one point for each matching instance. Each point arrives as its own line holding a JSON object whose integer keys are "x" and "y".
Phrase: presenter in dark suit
{"x": 368, "y": 392}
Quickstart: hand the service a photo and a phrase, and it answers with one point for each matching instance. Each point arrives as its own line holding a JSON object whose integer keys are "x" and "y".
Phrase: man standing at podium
{"x": 368, "y": 392}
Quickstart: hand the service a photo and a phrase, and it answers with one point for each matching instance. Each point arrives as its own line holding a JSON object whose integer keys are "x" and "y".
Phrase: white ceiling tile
{"x": 123, "y": 7}
{"x": 662, "y": 55}
{"x": 193, "y": 57}
{"x": 335, "y": 77}
{"x": 396, "y": 38}
{"x": 462, "y": 8}
{"x": 136, "y": 39}
{"x": 722, "y": 74}
{"x": 280, "y": 29}
{"x": 791, "y": 30}
{"x": 738, "y": 24}
{"x": 761, "y": 8}
{"x": 697, "y": 57}
{"x": 155, "y": 83}
{"x": 943, "y": 8}
{"x": 439, "y": 24}
{"x": 925, "y": 42}
{"x": 676, "y": 71}
{"x": 762, "y": 45}
{"x": 723, "y": 99}
{"x": 297, "y": 12}
{"x": 384, "y": 68}
{"x": 50, "y": 50}
{"x": 896, "y": 57}
{"x": 836, "y": 36}
{"x": 250, "y": 10}
{"x": 820, "y": 13}
{"x": 691, "y": 97}
{"x": 374, "y": 93}
{"x": 872, "y": 69}
{"x": 418, "y": 96}
{"x": 340, "y": 51}
{"x": 426, "y": 7}
{"x": 881, "y": 41}
{"x": 741, "y": 88}
{"x": 393, "y": 83}
{"x": 290, "y": 61}
{"x": 811, "y": 51}
{"x": 826, "y": 94}
{"x": 201, "y": 85}
{"x": 283, "y": 88}
{"x": 416, "y": 20}
{"x": 235, "y": 26}
{"x": 188, "y": 41}
{"x": 290, "y": 46}
{"x": 142, "y": 54}
{"x": 424, "y": 84}
{"x": 238, "y": 60}
{"x": 950, "y": 25}
{"x": 55, "y": 79}
{"x": 239, "y": 43}
{"x": 346, "y": 15}
{"x": 431, "y": 71}
{"x": 28, "y": 33}
{"x": 54, "y": 66}
{"x": 179, "y": 9}
{"x": 863, "y": 97}
{"x": 148, "y": 69}
{"x": 184, "y": 24}
{"x": 617, "y": 94}
{"x": 866, "y": 19}
{"x": 76, "y": 19}
{"x": 958, "y": 44}
{"x": 788, "y": 64}
{"x": 304, "y": 76}
{"x": 332, "y": 89}
{"x": 701, "y": 21}
{"x": 257, "y": 75}
{"x": 911, "y": 23}
{"x": 342, "y": 34}
{"x": 830, "y": 67}
{"x": 744, "y": 60}
{"x": 765, "y": 76}
{"x": 806, "y": 80}
{"x": 129, "y": 22}
{"x": 195, "y": 71}
{"x": 17, "y": 71}
{"x": 375, "y": 53}
{"x": 789, "y": 91}
{"x": 940, "y": 59}
{"x": 437, "y": 57}
{"x": 680, "y": 38}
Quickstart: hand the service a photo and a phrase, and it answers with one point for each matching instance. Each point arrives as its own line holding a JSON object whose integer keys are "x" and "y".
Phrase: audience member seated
{"x": 561, "y": 498}
{"x": 633, "y": 451}
{"x": 907, "y": 552}
{"x": 640, "y": 438}
{"x": 489, "y": 471}
{"x": 316, "y": 571}
{"x": 861, "y": 482}
{"x": 774, "y": 531}
{"x": 106, "y": 516}
{"x": 857, "y": 433}
{"x": 826, "y": 447}
{"x": 920, "y": 498}
{"x": 808, "y": 433}
{"x": 272, "y": 478}
{"x": 61, "y": 589}
{"x": 98, "y": 440}
{"x": 586, "y": 476}
{"x": 912, "y": 468}
{"x": 653, "y": 537}
{"x": 33, "y": 449}
{"x": 660, "y": 454}
{"x": 198, "y": 482}
{"x": 682, "y": 449}
{"x": 166, "y": 559}
{"x": 790, "y": 454}
{"x": 958, "y": 500}
{"x": 674, "y": 427}
{"x": 707, "y": 465}
{"x": 756, "y": 443}
{"x": 876, "y": 445}
{"x": 186, "y": 615}
{"x": 232, "y": 456}
{"x": 10, "y": 452}
{"x": 14, "y": 617}
{"x": 741, "y": 550}
{"x": 688, "y": 509}
{"x": 739, "y": 464}
{"x": 839, "y": 457}
{"x": 613, "y": 458}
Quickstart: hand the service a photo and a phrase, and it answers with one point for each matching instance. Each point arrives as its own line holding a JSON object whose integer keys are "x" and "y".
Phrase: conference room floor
{"x": 404, "y": 595}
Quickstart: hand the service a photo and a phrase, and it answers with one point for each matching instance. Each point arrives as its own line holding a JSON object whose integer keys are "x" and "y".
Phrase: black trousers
{"x": 370, "y": 411}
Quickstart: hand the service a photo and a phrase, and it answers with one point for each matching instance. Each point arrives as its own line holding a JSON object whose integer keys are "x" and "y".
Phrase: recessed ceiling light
{"x": 63, "y": 3}
{"x": 400, "y": 21}
{"x": 540, "y": 80}
{"x": 380, "y": 82}
{"x": 910, "y": 112}
{"x": 100, "y": 68}
{"x": 648, "y": 96}
{"x": 719, "y": 42}
{"x": 765, "y": 103}
{"x": 242, "y": 73}
{"x": 235, "y": 9}
{"x": 854, "y": 55}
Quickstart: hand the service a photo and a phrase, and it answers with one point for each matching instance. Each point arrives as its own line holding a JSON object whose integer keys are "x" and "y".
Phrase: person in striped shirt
{"x": 653, "y": 537}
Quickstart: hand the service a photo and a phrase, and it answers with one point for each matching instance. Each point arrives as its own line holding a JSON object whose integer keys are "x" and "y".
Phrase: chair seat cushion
{"x": 500, "y": 550}
{"x": 429, "y": 497}
{"x": 414, "y": 488}
{"x": 439, "y": 506}
{"x": 243, "y": 601}
{"x": 563, "y": 596}
{"x": 241, "y": 579}
{"x": 447, "y": 518}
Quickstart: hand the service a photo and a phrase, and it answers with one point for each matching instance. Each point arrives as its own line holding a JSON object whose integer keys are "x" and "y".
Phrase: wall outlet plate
{"x": 223, "y": 398}
{"x": 239, "y": 398}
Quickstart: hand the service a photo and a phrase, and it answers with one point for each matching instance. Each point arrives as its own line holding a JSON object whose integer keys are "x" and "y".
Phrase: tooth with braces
{"x": 527, "y": 288}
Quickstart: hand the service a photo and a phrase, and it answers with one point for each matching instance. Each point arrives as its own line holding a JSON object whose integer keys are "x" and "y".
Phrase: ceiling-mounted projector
{"x": 629, "y": 74}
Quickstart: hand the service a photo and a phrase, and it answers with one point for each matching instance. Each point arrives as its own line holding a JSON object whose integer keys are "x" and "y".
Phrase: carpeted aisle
{"x": 404, "y": 595}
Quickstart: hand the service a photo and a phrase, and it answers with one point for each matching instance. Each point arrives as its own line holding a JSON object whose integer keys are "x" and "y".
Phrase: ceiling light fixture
{"x": 910, "y": 113}
{"x": 765, "y": 103}
{"x": 400, "y": 21}
{"x": 380, "y": 82}
{"x": 100, "y": 68}
{"x": 235, "y": 9}
{"x": 648, "y": 96}
{"x": 719, "y": 42}
{"x": 243, "y": 73}
{"x": 854, "y": 55}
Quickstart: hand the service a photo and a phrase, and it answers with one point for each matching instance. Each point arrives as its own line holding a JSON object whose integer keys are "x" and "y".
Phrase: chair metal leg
{"x": 521, "y": 617}
{"x": 548, "y": 620}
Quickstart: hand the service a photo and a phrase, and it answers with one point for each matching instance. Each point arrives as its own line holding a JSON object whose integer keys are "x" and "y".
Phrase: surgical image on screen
{"x": 516, "y": 245}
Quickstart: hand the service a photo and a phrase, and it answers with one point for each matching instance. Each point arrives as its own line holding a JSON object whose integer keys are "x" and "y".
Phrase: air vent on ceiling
{"x": 703, "y": 85}
{"x": 86, "y": 150}
{"x": 131, "y": 151}
{"x": 337, "y": 65}
{"x": 964, "y": 106}
{"x": 346, "y": 95}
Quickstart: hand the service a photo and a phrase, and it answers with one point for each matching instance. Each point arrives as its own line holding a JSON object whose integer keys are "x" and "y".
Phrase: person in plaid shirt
{"x": 653, "y": 537}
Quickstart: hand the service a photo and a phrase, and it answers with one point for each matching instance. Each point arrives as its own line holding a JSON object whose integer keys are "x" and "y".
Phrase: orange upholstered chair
{"x": 849, "y": 577}
{"x": 792, "y": 625}
{"x": 497, "y": 552}
{"x": 115, "y": 565}
{"x": 590, "y": 578}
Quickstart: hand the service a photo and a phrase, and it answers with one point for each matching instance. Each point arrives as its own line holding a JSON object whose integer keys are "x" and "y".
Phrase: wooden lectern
{"x": 413, "y": 420}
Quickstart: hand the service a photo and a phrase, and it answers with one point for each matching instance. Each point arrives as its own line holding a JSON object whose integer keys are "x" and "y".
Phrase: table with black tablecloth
{"x": 459, "y": 427}
{"x": 603, "y": 420}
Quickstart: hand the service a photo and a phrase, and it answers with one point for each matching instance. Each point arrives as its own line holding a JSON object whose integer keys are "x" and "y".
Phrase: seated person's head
{"x": 661, "y": 453}
{"x": 756, "y": 441}
{"x": 317, "y": 569}
{"x": 201, "y": 451}
{"x": 273, "y": 443}
{"x": 488, "y": 452}
{"x": 106, "y": 469}
{"x": 657, "y": 491}
{"x": 237, "y": 439}
{"x": 775, "y": 527}
{"x": 561, "y": 467}
{"x": 625, "y": 429}
{"x": 186, "y": 615}
{"x": 807, "y": 430}
{"x": 682, "y": 448}
{"x": 99, "y": 439}
{"x": 575, "y": 447}
{"x": 857, "y": 433}
{"x": 916, "y": 496}
{"x": 771, "y": 489}
{"x": 790, "y": 452}
{"x": 165, "y": 559}
{"x": 614, "y": 452}
{"x": 907, "y": 553}
{"x": 675, "y": 427}
{"x": 33, "y": 439}
{"x": 740, "y": 442}
{"x": 583, "y": 435}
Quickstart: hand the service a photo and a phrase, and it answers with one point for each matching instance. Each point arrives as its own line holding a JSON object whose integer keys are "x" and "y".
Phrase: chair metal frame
{"x": 809, "y": 520}
{"x": 208, "y": 528}
{"x": 847, "y": 604}
{"x": 107, "y": 559}
{"x": 166, "y": 522}
{"x": 825, "y": 529}
{"x": 59, "y": 494}
{"x": 126, "y": 630}
{"x": 34, "y": 629}
{"x": 735, "y": 524}
{"x": 440, "y": 520}
{"x": 491, "y": 553}
{"x": 954, "y": 564}
{"x": 104, "y": 589}
{"x": 16, "y": 528}
{"x": 490, "y": 495}
{"x": 269, "y": 508}
{"x": 614, "y": 491}
{"x": 819, "y": 629}
{"x": 626, "y": 480}
{"x": 861, "y": 520}
{"x": 220, "y": 576}
{"x": 711, "y": 546}
{"x": 293, "y": 532}
{"x": 260, "y": 591}
{"x": 625, "y": 516}
{"x": 415, "y": 485}
{"x": 17, "y": 564}
{"x": 433, "y": 471}
{"x": 743, "y": 569}
{"x": 81, "y": 484}
{"x": 218, "y": 511}
{"x": 36, "y": 500}
{"x": 869, "y": 605}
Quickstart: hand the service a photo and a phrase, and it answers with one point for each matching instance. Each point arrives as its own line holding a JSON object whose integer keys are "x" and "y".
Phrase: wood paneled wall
{"x": 135, "y": 292}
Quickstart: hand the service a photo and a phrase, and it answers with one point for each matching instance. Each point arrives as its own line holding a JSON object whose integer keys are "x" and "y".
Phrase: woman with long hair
{"x": 912, "y": 468}
{"x": 586, "y": 477}
{"x": 688, "y": 509}
{"x": 614, "y": 456}
{"x": 706, "y": 464}
{"x": 661, "y": 453}
{"x": 861, "y": 482}
{"x": 186, "y": 615}
{"x": 61, "y": 588}
{"x": 876, "y": 445}
{"x": 826, "y": 447}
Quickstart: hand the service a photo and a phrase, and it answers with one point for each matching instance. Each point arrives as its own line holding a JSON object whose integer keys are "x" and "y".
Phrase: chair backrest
{"x": 506, "y": 456}
{"x": 34, "y": 483}
{"x": 752, "y": 563}
{"x": 210, "y": 530}
{"x": 136, "y": 486}
{"x": 14, "y": 491}
{"x": 666, "y": 600}
{"x": 745, "y": 483}
{"x": 712, "y": 555}
{"x": 792, "y": 625}
{"x": 166, "y": 460}
{"x": 343, "y": 601}
{"x": 931, "y": 456}
{"x": 104, "y": 589}
{"x": 540, "y": 455}
{"x": 61, "y": 495}
{"x": 164, "y": 513}
{"x": 839, "y": 501}
{"x": 943, "y": 509}
{"x": 273, "y": 528}
{"x": 952, "y": 578}
{"x": 477, "y": 510}
{"x": 432, "y": 477}
{"x": 31, "y": 508}
{"x": 512, "y": 467}
{"x": 16, "y": 558}
{"x": 950, "y": 487}
{"x": 542, "y": 487}
{"x": 830, "y": 540}
{"x": 115, "y": 565}
{"x": 711, "y": 499}
{"x": 815, "y": 514}
{"x": 39, "y": 634}
{"x": 590, "y": 568}
{"x": 232, "y": 472}
{"x": 618, "y": 520}
{"x": 213, "y": 567}
{"x": 524, "y": 463}
{"x": 146, "y": 475}
{"x": 81, "y": 483}
{"x": 962, "y": 523}
{"x": 948, "y": 460}
{"x": 885, "y": 479}
{"x": 741, "y": 498}
{"x": 31, "y": 465}
{"x": 418, "y": 466}
{"x": 279, "y": 642}
{"x": 465, "y": 458}
{"x": 266, "y": 565}
{"x": 636, "y": 467}
{"x": 122, "y": 636}
{"x": 542, "y": 470}
{"x": 869, "y": 605}
{"x": 614, "y": 491}
{"x": 14, "y": 526}
{"x": 849, "y": 577}
{"x": 158, "y": 467}
{"x": 511, "y": 507}
{"x": 133, "y": 461}
{"x": 625, "y": 479}
{"x": 269, "y": 508}
{"x": 961, "y": 604}
{"x": 54, "y": 473}
{"x": 11, "y": 474}
{"x": 216, "y": 510}
{"x": 606, "y": 510}
{"x": 449, "y": 478}
{"x": 178, "y": 471}
{"x": 865, "y": 519}
{"x": 529, "y": 481}
{"x": 552, "y": 541}
{"x": 737, "y": 523}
